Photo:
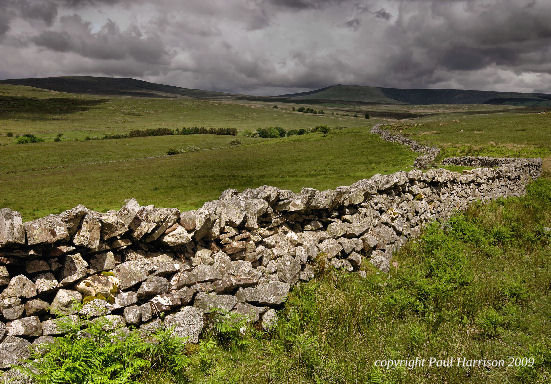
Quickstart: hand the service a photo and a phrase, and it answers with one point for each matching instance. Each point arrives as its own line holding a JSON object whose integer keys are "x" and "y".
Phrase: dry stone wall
{"x": 242, "y": 253}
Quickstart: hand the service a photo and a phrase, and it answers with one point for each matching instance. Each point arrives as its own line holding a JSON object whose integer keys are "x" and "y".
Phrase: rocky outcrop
{"x": 145, "y": 266}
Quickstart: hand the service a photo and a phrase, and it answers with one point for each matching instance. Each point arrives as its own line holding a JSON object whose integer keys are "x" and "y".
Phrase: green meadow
{"x": 477, "y": 286}
{"x": 48, "y": 177}
{"x": 518, "y": 134}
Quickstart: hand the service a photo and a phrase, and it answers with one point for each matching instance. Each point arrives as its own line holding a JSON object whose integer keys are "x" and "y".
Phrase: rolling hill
{"x": 342, "y": 94}
{"x": 377, "y": 95}
{"x": 112, "y": 86}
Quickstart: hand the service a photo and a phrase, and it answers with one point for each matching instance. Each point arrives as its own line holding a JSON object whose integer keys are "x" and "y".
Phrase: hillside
{"x": 376, "y": 95}
{"x": 112, "y": 86}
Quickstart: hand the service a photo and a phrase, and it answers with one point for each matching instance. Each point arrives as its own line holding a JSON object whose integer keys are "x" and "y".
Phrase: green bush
{"x": 271, "y": 132}
{"x": 89, "y": 354}
{"x": 28, "y": 138}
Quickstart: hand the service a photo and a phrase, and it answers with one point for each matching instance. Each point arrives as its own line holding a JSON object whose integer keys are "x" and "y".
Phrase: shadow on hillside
{"x": 37, "y": 109}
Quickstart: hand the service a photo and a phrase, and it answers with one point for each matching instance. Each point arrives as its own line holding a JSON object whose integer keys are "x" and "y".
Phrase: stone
{"x": 146, "y": 312}
{"x": 104, "y": 285}
{"x": 288, "y": 269}
{"x": 20, "y": 286}
{"x": 151, "y": 328}
{"x": 96, "y": 308}
{"x": 16, "y": 376}
{"x": 177, "y": 238}
{"x": 2, "y": 331}
{"x": 188, "y": 323}
{"x": 250, "y": 311}
{"x": 73, "y": 217}
{"x": 188, "y": 220}
{"x": 132, "y": 315}
{"x": 131, "y": 273}
{"x": 235, "y": 247}
{"x": 74, "y": 269}
{"x": 12, "y": 231}
{"x": 267, "y": 293}
{"x": 36, "y": 307}
{"x": 4, "y": 276}
{"x": 45, "y": 282}
{"x": 369, "y": 242}
{"x": 208, "y": 302}
{"x": 150, "y": 222}
{"x": 27, "y": 326}
{"x": 125, "y": 299}
{"x": 355, "y": 259}
{"x": 47, "y": 230}
{"x": 330, "y": 247}
{"x": 342, "y": 264}
{"x": 34, "y": 266}
{"x": 111, "y": 322}
{"x": 307, "y": 273}
{"x": 269, "y": 320}
{"x": 64, "y": 302}
{"x": 58, "y": 326}
{"x": 43, "y": 340}
{"x": 153, "y": 286}
{"x": 380, "y": 260}
{"x": 11, "y": 308}
{"x": 237, "y": 274}
{"x": 13, "y": 350}
{"x": 89, "y": 234}
{"x": 104, "y": 261}
{"x": 117, "y": 223}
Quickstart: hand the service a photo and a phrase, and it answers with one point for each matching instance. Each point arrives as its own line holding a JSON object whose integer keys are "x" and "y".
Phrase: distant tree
{"x": 367, "y": 115}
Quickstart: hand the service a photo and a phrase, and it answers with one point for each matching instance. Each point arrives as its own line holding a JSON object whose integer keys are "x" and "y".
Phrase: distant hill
{"x": 112, "y": 86}
{"x": 376, "y": 95}
{"x": 345, "y": 94}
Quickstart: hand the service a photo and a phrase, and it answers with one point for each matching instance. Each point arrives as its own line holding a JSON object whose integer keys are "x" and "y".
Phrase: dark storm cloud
{"x": 109, "y": 43}
{"x": 271, "y": 46}
{"x": 305, "y": 4}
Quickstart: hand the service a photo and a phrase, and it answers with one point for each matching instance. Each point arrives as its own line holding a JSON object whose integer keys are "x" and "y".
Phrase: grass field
{"x": 47, "y": 113}
{"x": 42, "y": 178}
{"x": 503, "y": 134}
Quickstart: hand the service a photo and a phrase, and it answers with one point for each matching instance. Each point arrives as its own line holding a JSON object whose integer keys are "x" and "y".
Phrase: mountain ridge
{"x": 339, "y": 93}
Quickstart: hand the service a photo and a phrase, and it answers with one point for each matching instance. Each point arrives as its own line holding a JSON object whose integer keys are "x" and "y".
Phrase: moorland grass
{"x": 504, "y": 134}
{"x": 26, "y": 110}
{"x": 476, "y": 286}
{"x": 43, "y": 178}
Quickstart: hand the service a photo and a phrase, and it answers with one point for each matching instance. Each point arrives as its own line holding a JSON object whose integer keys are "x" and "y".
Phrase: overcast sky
{"x": 278, "y": 46}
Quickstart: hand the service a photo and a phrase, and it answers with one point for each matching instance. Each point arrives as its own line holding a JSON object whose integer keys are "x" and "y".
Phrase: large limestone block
{"x": 12, "y": 230}
{"x": 13, "y": 350}
{"x": 46, "y": 230}
{"x": 187, "y": 323}
{"x": 267, "y": 293}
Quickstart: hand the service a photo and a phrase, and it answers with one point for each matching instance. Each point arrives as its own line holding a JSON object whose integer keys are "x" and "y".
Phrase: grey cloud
{"x": 109, "y": 43}
{"x": 306, "y": 4}
{"x": 272, "y": 45}
{"x": 382, "y": 14}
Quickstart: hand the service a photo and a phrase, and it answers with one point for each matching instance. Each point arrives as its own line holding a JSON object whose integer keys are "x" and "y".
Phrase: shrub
{"x": 10, "y": 134}
{"x": 271, "y": 132}
{"x": 322, "y": 128}
{"x": 228, "y": 328}
{"x": 58, "y": 137}
{"x": 172, "y": 151}
{"x": 89, "y": 354}
{"x": 235, "y": 142}
{"x": 366, "y": 115}
{"x": 29, "y": 138}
